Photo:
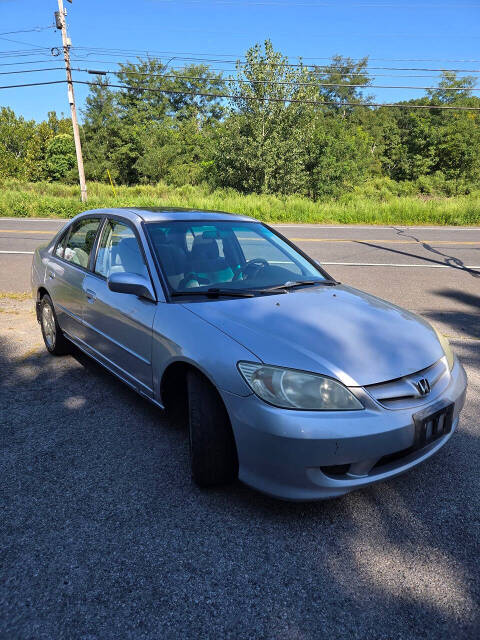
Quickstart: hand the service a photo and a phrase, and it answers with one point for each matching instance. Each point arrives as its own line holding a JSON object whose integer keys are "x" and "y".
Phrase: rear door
{"x": 65, "y": 273}
{"x": 119, "y": 325}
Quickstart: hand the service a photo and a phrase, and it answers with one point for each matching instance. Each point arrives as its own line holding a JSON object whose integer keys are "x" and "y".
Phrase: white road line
{"x": 29, "y": 253}
{"x": 56, "y": 220}
{"x": 387, "y": 264}
{"x": 340, "y": 264}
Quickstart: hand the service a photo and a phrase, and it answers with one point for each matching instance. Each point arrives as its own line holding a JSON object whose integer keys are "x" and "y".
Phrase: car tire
{"x": 55, "y": 341}
{"x": 213, "y": 454}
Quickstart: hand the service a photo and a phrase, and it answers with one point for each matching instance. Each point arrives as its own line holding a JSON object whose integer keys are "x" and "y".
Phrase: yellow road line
{"x": 50, "y": 233}
{"x": 326, "y": 240}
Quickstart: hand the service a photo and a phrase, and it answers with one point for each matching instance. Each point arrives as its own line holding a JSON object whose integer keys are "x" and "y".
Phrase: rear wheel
{"x": 213, "y": 454}
{"x": 53, "y": 337}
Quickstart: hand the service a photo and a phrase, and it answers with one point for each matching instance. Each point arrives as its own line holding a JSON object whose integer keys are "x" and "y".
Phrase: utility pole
{"x": 62, "y": 25}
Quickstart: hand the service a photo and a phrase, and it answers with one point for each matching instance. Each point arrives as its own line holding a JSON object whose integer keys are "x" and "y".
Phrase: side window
{"x": 61, "y": 244}
{"x": 81, "y": 240}
{"x": 119, "y": 251}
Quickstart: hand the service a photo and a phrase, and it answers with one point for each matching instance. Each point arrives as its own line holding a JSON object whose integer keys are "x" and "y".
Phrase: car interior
{"x": 79, "y": 247}
{"x": 193, "y": 258}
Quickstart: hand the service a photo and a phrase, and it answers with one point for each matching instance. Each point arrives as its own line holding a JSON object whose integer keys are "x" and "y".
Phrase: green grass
{"x": 62, "y": 201}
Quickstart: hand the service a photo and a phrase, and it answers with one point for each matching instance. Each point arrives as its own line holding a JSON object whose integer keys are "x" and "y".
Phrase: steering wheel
{"x": 250, "y": 269}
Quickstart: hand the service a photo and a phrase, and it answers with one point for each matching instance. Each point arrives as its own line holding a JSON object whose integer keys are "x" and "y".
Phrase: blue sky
{"x": 392, "y": 33}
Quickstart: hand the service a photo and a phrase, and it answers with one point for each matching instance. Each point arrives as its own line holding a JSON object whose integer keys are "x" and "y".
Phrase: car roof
{"x": 167, "y": 214}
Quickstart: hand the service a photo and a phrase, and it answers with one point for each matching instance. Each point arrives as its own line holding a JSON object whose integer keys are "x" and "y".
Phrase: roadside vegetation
{"x": 377, "y": 203}
{"x": 290, "y": 143}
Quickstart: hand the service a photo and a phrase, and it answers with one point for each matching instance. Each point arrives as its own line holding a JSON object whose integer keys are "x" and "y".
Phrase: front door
{"x": 119, "y": 325}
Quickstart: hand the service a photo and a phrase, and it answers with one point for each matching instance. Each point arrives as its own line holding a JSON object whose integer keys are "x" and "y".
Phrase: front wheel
{"x": 213, "y": 454}
{"x": 53, "y": 337}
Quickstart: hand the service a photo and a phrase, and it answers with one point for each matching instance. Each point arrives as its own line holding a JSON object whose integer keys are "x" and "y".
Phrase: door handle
{"x": 91, "y": 295}
{"x": 51, "y": 275}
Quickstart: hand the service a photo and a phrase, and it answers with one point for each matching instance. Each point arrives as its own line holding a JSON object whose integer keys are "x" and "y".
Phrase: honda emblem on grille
{"x": 423, "y": 386}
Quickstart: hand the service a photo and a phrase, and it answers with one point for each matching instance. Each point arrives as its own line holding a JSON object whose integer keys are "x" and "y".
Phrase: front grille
{"x": 402, "y": 393}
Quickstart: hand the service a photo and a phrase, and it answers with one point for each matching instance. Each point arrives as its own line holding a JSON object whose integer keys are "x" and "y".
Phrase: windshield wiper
{"x": 215, "y": 293}
{"x": 299, "y": 283}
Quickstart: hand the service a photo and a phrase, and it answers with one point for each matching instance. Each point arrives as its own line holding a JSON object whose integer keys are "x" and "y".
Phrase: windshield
{"x": 227, "y": 256}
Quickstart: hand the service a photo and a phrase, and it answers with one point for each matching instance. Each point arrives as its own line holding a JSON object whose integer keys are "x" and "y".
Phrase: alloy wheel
{"x": 48, "y": 324}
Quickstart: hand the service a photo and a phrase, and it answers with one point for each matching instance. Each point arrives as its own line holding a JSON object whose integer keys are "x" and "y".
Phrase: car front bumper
{"x": 284, "y": 452}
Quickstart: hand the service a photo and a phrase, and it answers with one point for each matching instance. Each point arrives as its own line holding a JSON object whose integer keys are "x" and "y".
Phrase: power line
{"x": 37, "y": 29}
{"x": 227, "y": 70}
{"x": 233, "y": 70}
{"x": 235, "y": 80}
{"x": 252, "y": 98}
{"x": 280, "y": 82}
{"x": 32, "y": 84}
{"x": 363, "y": 5}
{"x": 29, "y": 44}
{"x": 25, "y": 53}
{"x": 233, "y": 59}
{"x": 331, "y": 67}
{"x": 332, "y": 34}
{"x": 9, "y": 73}
{"x": 16, "y": 64}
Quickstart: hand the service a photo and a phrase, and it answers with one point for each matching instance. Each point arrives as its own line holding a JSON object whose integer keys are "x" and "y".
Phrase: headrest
{"x": 159, "y": 236}
{"x": 128, "y": 255}
{"x": 127, "y": 245}
{"x": 205, "y": 248}
{"x": 173, "y": 259}
{"x": 90, "y": 238}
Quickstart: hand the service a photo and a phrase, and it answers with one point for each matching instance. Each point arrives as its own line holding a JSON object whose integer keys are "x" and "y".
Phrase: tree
{"x": 154, "y": 92}
{"x": 60, "y": 156}
{"x": 155, "y": 105}
{"x": 339, "y": 156}
{"x": 261, "y": 146}
{"x": 15, "y": 134}
{"x": 102, "y": 131}
{"x": 452, "y": 89}
{"x": 37, "y": 147}
{"x": 175, "y": 152}
{"x": 348, "y": 78}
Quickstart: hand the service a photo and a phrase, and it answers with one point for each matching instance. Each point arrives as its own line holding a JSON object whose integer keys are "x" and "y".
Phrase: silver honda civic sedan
{"x": 300, "y": 386}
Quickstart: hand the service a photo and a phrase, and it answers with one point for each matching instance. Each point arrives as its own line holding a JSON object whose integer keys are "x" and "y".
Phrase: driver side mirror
{"x": 132, "y": 283}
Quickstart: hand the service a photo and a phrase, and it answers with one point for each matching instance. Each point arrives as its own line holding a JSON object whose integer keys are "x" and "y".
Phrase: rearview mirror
{"x": 133, "y": 283}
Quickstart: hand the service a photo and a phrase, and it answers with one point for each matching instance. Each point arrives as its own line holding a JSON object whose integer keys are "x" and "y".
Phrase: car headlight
{"x": 293, "y": 389}
{"x": 447, "y": 349}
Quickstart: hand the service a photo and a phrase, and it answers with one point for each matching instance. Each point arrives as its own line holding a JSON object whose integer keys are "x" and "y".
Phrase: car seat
{"x": 126, "y": 257}
{"x": 206, "y": 262}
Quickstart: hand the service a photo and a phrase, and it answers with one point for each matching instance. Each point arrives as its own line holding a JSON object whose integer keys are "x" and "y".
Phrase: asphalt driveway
{"x": 103, "y": 535}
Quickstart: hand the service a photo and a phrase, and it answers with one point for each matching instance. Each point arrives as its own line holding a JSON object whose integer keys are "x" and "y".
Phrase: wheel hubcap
{"x": 48, "y": 324}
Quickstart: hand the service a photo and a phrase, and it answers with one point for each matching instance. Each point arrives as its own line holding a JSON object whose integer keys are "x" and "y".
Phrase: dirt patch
{"x": 18, "y": 324}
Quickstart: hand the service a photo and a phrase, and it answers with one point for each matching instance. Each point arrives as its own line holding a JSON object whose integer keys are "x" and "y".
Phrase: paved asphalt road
{"x": 103, "y": 535}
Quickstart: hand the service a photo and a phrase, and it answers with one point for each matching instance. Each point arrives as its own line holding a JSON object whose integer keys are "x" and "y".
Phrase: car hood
{"x": 338, "y": 331}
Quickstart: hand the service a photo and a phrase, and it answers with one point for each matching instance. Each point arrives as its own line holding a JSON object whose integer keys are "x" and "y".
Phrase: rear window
{"x": 80, "y": 242}
{"x": 60, "y": 246}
